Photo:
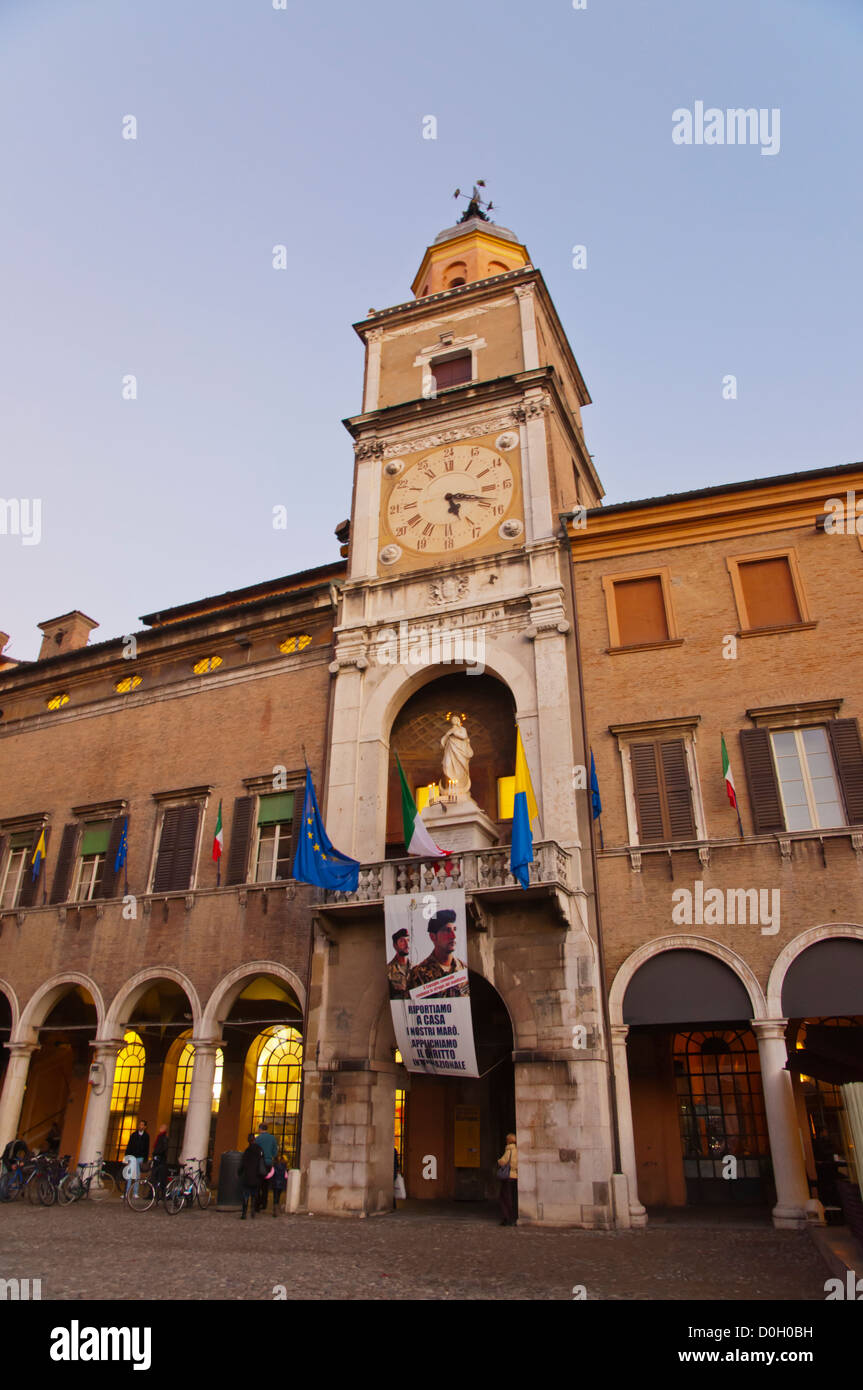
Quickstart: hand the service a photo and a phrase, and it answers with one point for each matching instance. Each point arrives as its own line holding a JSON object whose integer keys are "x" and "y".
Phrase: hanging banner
{"x": 426, "y": 942}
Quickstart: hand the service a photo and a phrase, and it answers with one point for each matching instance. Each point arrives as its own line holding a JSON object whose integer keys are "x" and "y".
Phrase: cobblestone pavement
{"x": 98, "y": 1250}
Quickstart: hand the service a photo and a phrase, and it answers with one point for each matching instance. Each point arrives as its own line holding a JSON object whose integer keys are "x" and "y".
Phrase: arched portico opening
{"x": 63, "y": 1020}
{"x": 461, "y": 1123}
{"x": 821, "y": 988}
{"x": 698, "y": 1109}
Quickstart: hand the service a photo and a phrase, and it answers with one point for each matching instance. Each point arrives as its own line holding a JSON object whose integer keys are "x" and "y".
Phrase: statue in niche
{"x": 457, "y": 754}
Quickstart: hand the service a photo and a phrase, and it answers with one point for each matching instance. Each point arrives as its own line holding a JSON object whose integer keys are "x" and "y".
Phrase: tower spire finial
{"x": 475, "y": 203}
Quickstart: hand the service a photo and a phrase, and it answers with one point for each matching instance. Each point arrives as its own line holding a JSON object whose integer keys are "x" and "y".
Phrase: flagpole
{"x": 736, "y": 803}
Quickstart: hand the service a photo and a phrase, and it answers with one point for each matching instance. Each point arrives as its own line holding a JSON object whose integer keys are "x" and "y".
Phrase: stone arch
{"x": 225, "y": 993}
{"x": 129, "y": 994}
{"x": 47, "y": 995}
{"x": 455, "y": 274}
{"x": 14, "y": 1007}
{"x": 649, "y": 949}
{"x": 795, "y": 948}
{"x": 397, "y": 687}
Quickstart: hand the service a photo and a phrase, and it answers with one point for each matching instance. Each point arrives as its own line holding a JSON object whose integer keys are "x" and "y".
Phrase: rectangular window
{"x": 452, "y": 371}
{"x": 811, "y": 799}
{"x": 640, "y": 611}
{"x": 178, "y": 843}
{"x": 768, "y": 591}
{"x": 639, "y": 608}
{"x": 91, "y": 859}
{"x": 661, "y": 787}
{"x": 18, "y": 855}
{"x": 274, "y": 859}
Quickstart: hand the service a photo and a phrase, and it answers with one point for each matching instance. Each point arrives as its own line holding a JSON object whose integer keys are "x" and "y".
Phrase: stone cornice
{"x": 747, "y": 509}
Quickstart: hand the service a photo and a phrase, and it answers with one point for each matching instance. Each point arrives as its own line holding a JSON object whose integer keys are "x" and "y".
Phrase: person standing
{"x": 279, "y": 1181}
{"x": 137, "y": 1152}
{"x": 251, "y": 1162}
{"x": 508, "y": 1163}
{"x": 269, "y": 1147}
{"x": 160, "y": 1161}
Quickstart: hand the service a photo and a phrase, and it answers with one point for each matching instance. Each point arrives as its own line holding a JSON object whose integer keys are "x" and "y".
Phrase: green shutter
{"x": 276, "y": 808}
{"x": 95, "y": 837}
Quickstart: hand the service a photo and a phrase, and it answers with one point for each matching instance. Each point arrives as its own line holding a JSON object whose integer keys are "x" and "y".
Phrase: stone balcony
{"x": 483, "y": 874}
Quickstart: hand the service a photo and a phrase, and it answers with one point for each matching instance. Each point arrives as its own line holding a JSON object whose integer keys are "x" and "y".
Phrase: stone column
{"x": 98, "y": 1112}
{"x": 789, "y": 1172}
{"x": 14, "y": 1086}
{"x": 619, "y": 1034}
{"x": 196, "y": 1135}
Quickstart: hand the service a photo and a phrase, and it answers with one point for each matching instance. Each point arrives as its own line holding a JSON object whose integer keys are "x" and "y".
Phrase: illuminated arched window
{"x": 183, "y": 1083}
{"x": 126, "y": 1095}
{"x": 278, "y": 1083}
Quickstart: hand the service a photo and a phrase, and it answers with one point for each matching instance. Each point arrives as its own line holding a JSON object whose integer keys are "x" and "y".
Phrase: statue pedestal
{"x": 460, "y": 825}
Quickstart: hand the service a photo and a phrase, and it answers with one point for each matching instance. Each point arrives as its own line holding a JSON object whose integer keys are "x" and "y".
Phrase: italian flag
{"x": 218, "y": 838}
{"x": 417, "y": 839}
{"x": 728, "y": 775}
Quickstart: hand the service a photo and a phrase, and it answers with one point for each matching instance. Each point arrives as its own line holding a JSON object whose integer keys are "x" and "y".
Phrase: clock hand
{"x": 453, "y": 506}
{"x": 464, "y": 497}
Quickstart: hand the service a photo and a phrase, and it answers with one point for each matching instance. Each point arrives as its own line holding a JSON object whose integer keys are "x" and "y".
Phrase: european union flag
{"x": 315, "y": 860}
{"x": 595, "y": 803}
{"x": 122, "y": 847}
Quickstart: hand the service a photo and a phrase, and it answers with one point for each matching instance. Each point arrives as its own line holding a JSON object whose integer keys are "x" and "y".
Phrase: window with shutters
{"x": 804, "y": 777}
{"x": 768, "y": 591}
{"x": 91, "y": 860}
{"x": 452, "y": 371}
{"x": 13, "y": 867}
{"x": 177, "y": 852}
{"x": 660, "y": 780}
{"x": 274, "y": 855}
{"x": 639, "y": 608}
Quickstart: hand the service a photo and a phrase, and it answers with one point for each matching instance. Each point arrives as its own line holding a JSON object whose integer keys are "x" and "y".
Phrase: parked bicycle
{"x": 14, "y": 1181}
{"x": 47, "y": 1173}
{"x": 77, "y": 1185}
{"x": 188, "y": 1187}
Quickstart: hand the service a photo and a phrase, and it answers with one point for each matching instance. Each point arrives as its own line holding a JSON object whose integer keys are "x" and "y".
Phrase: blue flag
{"x": 315, "y": 860}
{"x": 122, "y": 847}
{"x": 524, "y": 811}
{"x": 595, "y": 803}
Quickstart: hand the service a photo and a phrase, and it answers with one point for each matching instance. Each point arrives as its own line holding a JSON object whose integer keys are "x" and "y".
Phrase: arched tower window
{"x": 278, "y": 1086}
{"x": 126, "y": 1095}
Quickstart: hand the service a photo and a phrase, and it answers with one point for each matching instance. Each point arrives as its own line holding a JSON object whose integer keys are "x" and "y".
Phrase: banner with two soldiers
{"x": 426, "y": 940}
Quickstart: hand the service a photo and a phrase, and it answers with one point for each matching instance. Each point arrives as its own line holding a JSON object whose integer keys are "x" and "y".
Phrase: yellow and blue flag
{"x": 315, "y": 860}
{"x": 524, "y": 811}
{"x": 38, "y": 855}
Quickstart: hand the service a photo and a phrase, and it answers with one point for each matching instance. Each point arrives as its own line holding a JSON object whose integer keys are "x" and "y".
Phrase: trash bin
{"x": 230, "y": 1194}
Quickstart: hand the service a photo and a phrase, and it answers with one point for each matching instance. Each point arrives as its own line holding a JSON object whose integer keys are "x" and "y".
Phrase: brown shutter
{"x": 241, "y": 834}
{"x": 641, "y": 615}
{"x": 848, "y": 753}
{"x": 108, "y": 877}
{"x": 678, "y": 793}
{"x": 764, "y": 798}
{"x": 65, "y": 860}
{"x": 30, "y": 891}
{"x": 648, "y": 802}
{"x": 177, "y": 842}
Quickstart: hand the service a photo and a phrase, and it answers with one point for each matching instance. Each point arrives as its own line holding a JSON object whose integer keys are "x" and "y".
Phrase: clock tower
{"x": 468, "y": 448}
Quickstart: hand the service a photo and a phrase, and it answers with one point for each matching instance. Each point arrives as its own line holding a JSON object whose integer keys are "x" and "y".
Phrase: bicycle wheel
{"x": 4, "y": 1187}
{"x": 145, "y": 1198}
{"x": 104, "y": 1181}
{"x": 47, "y": 1191}
{"x": 35, "y": 1190}
{"x": 203, "y": 1194}
{"x": 71, "y": 1189}
{"x": 175, "y": 1198}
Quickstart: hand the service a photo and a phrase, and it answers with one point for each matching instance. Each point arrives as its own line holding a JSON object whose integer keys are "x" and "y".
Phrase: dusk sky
{"x": 303, "y": 127}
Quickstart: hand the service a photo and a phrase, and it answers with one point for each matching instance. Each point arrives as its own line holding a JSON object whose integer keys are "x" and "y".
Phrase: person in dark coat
{"x": 250, "y": 1172}
{"x": 279, "y": 1181}
{"x": 137, "y": 1152}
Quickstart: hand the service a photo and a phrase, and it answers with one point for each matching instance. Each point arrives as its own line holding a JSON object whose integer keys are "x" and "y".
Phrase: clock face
{"x": 450, "y": 498}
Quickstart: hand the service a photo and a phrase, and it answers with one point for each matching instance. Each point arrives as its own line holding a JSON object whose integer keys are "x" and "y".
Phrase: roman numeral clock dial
{"x": 449, "y": 499}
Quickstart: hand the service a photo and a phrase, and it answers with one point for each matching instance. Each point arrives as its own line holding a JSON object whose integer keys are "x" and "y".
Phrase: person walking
{"x": 279, "y": 1181}
{"x": 507, "y": 1171}
{"x": 137, "y": 1152}
{"x": 269, "y": 1147}
{"x": 159, "y": 1171}
{"x": 251, "y": 1162}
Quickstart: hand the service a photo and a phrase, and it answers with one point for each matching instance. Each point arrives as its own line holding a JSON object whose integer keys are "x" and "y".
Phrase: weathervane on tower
{"x": 475, "y": 203}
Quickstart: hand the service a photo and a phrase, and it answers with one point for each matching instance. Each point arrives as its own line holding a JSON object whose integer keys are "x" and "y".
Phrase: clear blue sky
{"x": 303, "y": 126}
